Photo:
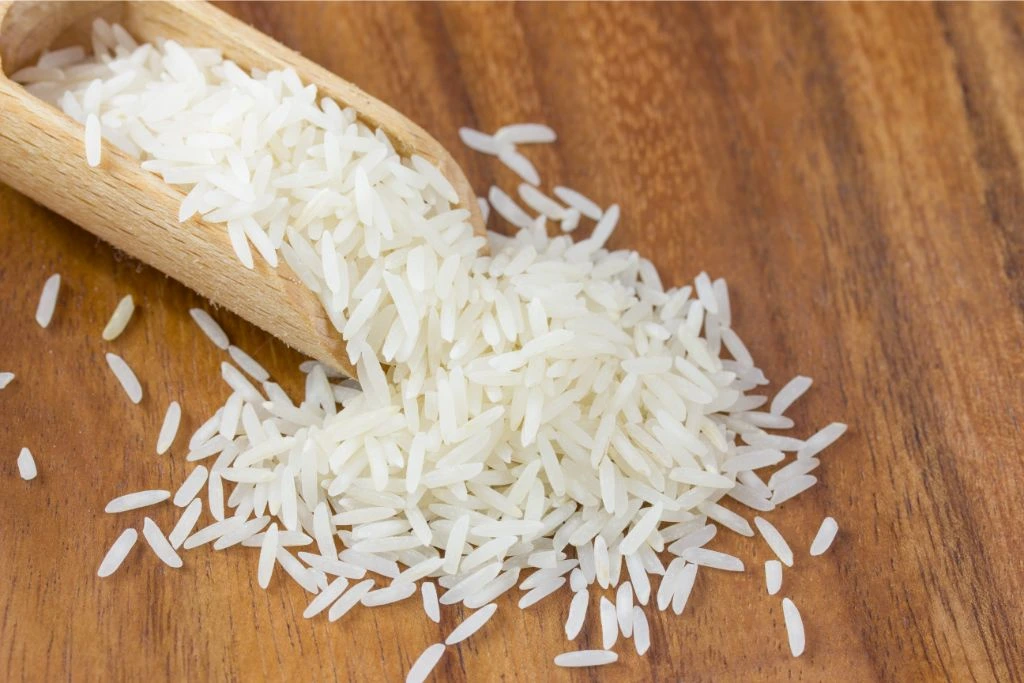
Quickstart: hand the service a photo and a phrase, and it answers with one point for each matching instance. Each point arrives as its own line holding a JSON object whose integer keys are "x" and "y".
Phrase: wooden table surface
{"x": 855, "y": 172}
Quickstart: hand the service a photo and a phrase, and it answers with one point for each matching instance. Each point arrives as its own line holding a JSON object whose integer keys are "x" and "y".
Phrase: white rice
{"x": 775, "y": 540}
{"x": 542, "y": 590}
{"x": 522, "y": 401}
{"x": 641, "y": 631}
{"x": 169, "y": 428}
{"x": 324, "y": 599}
{"x": 773, "y": 576}
{"x": 478, "y": 141}
{"x": 712, "y": 559}
{"x": 192, "y": 485}
{"x": 519, "y": 165}
{"x": 210, "y": 327}
{"x": 430, "y": 605}
{"x": 624, "y": 608}
{"x": 570, "y": 221}
{"x": 160, "y": 545}
{"x": 115, "y": 556}
{"x": 119, "y": 319}
{"x": 129, "y": 382}
{"x": 48, "y": 301}
{"x": 349, "y": 599}
{"x": 582, "y": 658}
{"x": 134, "y": 501}
{"x": 186, "y": 523}
{"x": 524, "y": 134}
{"x": 794, "y": 627}
{"x": 788, "y": 394}
{"x": 540, "y": 202}
{"x": 821, "y": 440}
{"x": 26, "y": 465}
{"x": 268, "y": 556}
{"x": 396, "y": 592}
{"x": 683, "y": 588}
{"x": 602, "y": 563}
{"x": 506, "y": 207}
{"x": 5, "y": 379}
{"x": 425, "y": 663}
{"x": 638, "y": 578}
{"x": 471, "y": 624}
{"x": 823, "y": 539}
{"x": 247, "y": 363}
{"x": 577, "y": 614}
{"x": 581, "y": 203}
{"x": 792, "y": 487}
{"x": 609, "y": 624}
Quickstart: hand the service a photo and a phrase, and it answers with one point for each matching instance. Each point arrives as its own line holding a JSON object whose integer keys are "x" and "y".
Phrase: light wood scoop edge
{"x": 42, "y": 156}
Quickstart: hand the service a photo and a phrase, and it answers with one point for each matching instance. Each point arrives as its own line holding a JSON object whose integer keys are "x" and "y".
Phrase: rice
{"x": 792, "y": 487}
{"x": 712, "y": 559}
{"x": 508, "y": 209}
{"x": 519, "y": 165}
{"x": 624, "y": 608}
{"x": 5, "y": 379}
{"x": 192, "y": 485}
{"x": 788, "y": 394}
{"x": 169, "y": 428}
{"x": 118, "y": 551}
{"x": 524, "y": 134}
{"x": 478, "y": 141}
{"x": 577, "y": 614}
{"x": 247, "y": 363}
{"x": 48, "y": 301}
{"x": 349, "y": 599}
{"x": 129, "y": 382}
{"x": 541, "y": 591}
{"x": 430, "y": 605}
{"x": 821, "y": 440}
{"x": 683, "y": 587}
{"x": 609, "y": 624}
{"x": 471, "y": 624}
{"x": 160, "y": 545}
{"x": 521, "y": 402}
{"x": 396, "y": 592}
{"x": 210, "y": 327}
{"x": 324, "y": 599}
{"x": 638, "y": 578}
{"x": 775, "y": 540}
{"x": 579, "y": 202}
{"x": 823, "y": 539}
{"x": 134, "y": 501}
{"x": 773, "y": 576}
{"x": 794, "y": 627}
{"x": 582, "y": 658}
{"x": 119, "y": 319}
{"x": 186, "y": 523}
{"x": 26, "y": 465}
{"x": 641, "y": 631}
{"x": 540, "y": 202}
{"x": 425, "y": 663}
{"x": 268, "y": 556}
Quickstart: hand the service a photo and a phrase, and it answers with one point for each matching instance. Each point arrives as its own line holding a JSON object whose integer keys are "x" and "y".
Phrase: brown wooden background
{"x": 855, "y": 173}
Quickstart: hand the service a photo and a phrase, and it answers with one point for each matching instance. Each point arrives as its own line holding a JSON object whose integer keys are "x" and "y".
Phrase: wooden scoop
{"x": 42, "y": 155}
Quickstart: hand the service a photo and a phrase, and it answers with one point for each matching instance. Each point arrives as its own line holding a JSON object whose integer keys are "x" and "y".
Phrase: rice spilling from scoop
{"x": 525, "y": 406}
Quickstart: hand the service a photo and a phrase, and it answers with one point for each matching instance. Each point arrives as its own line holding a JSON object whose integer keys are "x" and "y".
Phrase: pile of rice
{"x": 528, "y": 410}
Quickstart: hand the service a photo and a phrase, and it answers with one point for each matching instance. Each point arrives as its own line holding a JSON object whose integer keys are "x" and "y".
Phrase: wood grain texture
{"x": 854, "y": 171}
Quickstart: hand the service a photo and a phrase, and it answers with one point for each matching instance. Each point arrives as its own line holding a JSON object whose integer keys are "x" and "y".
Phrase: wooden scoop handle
{"x": 42, "y": 155}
